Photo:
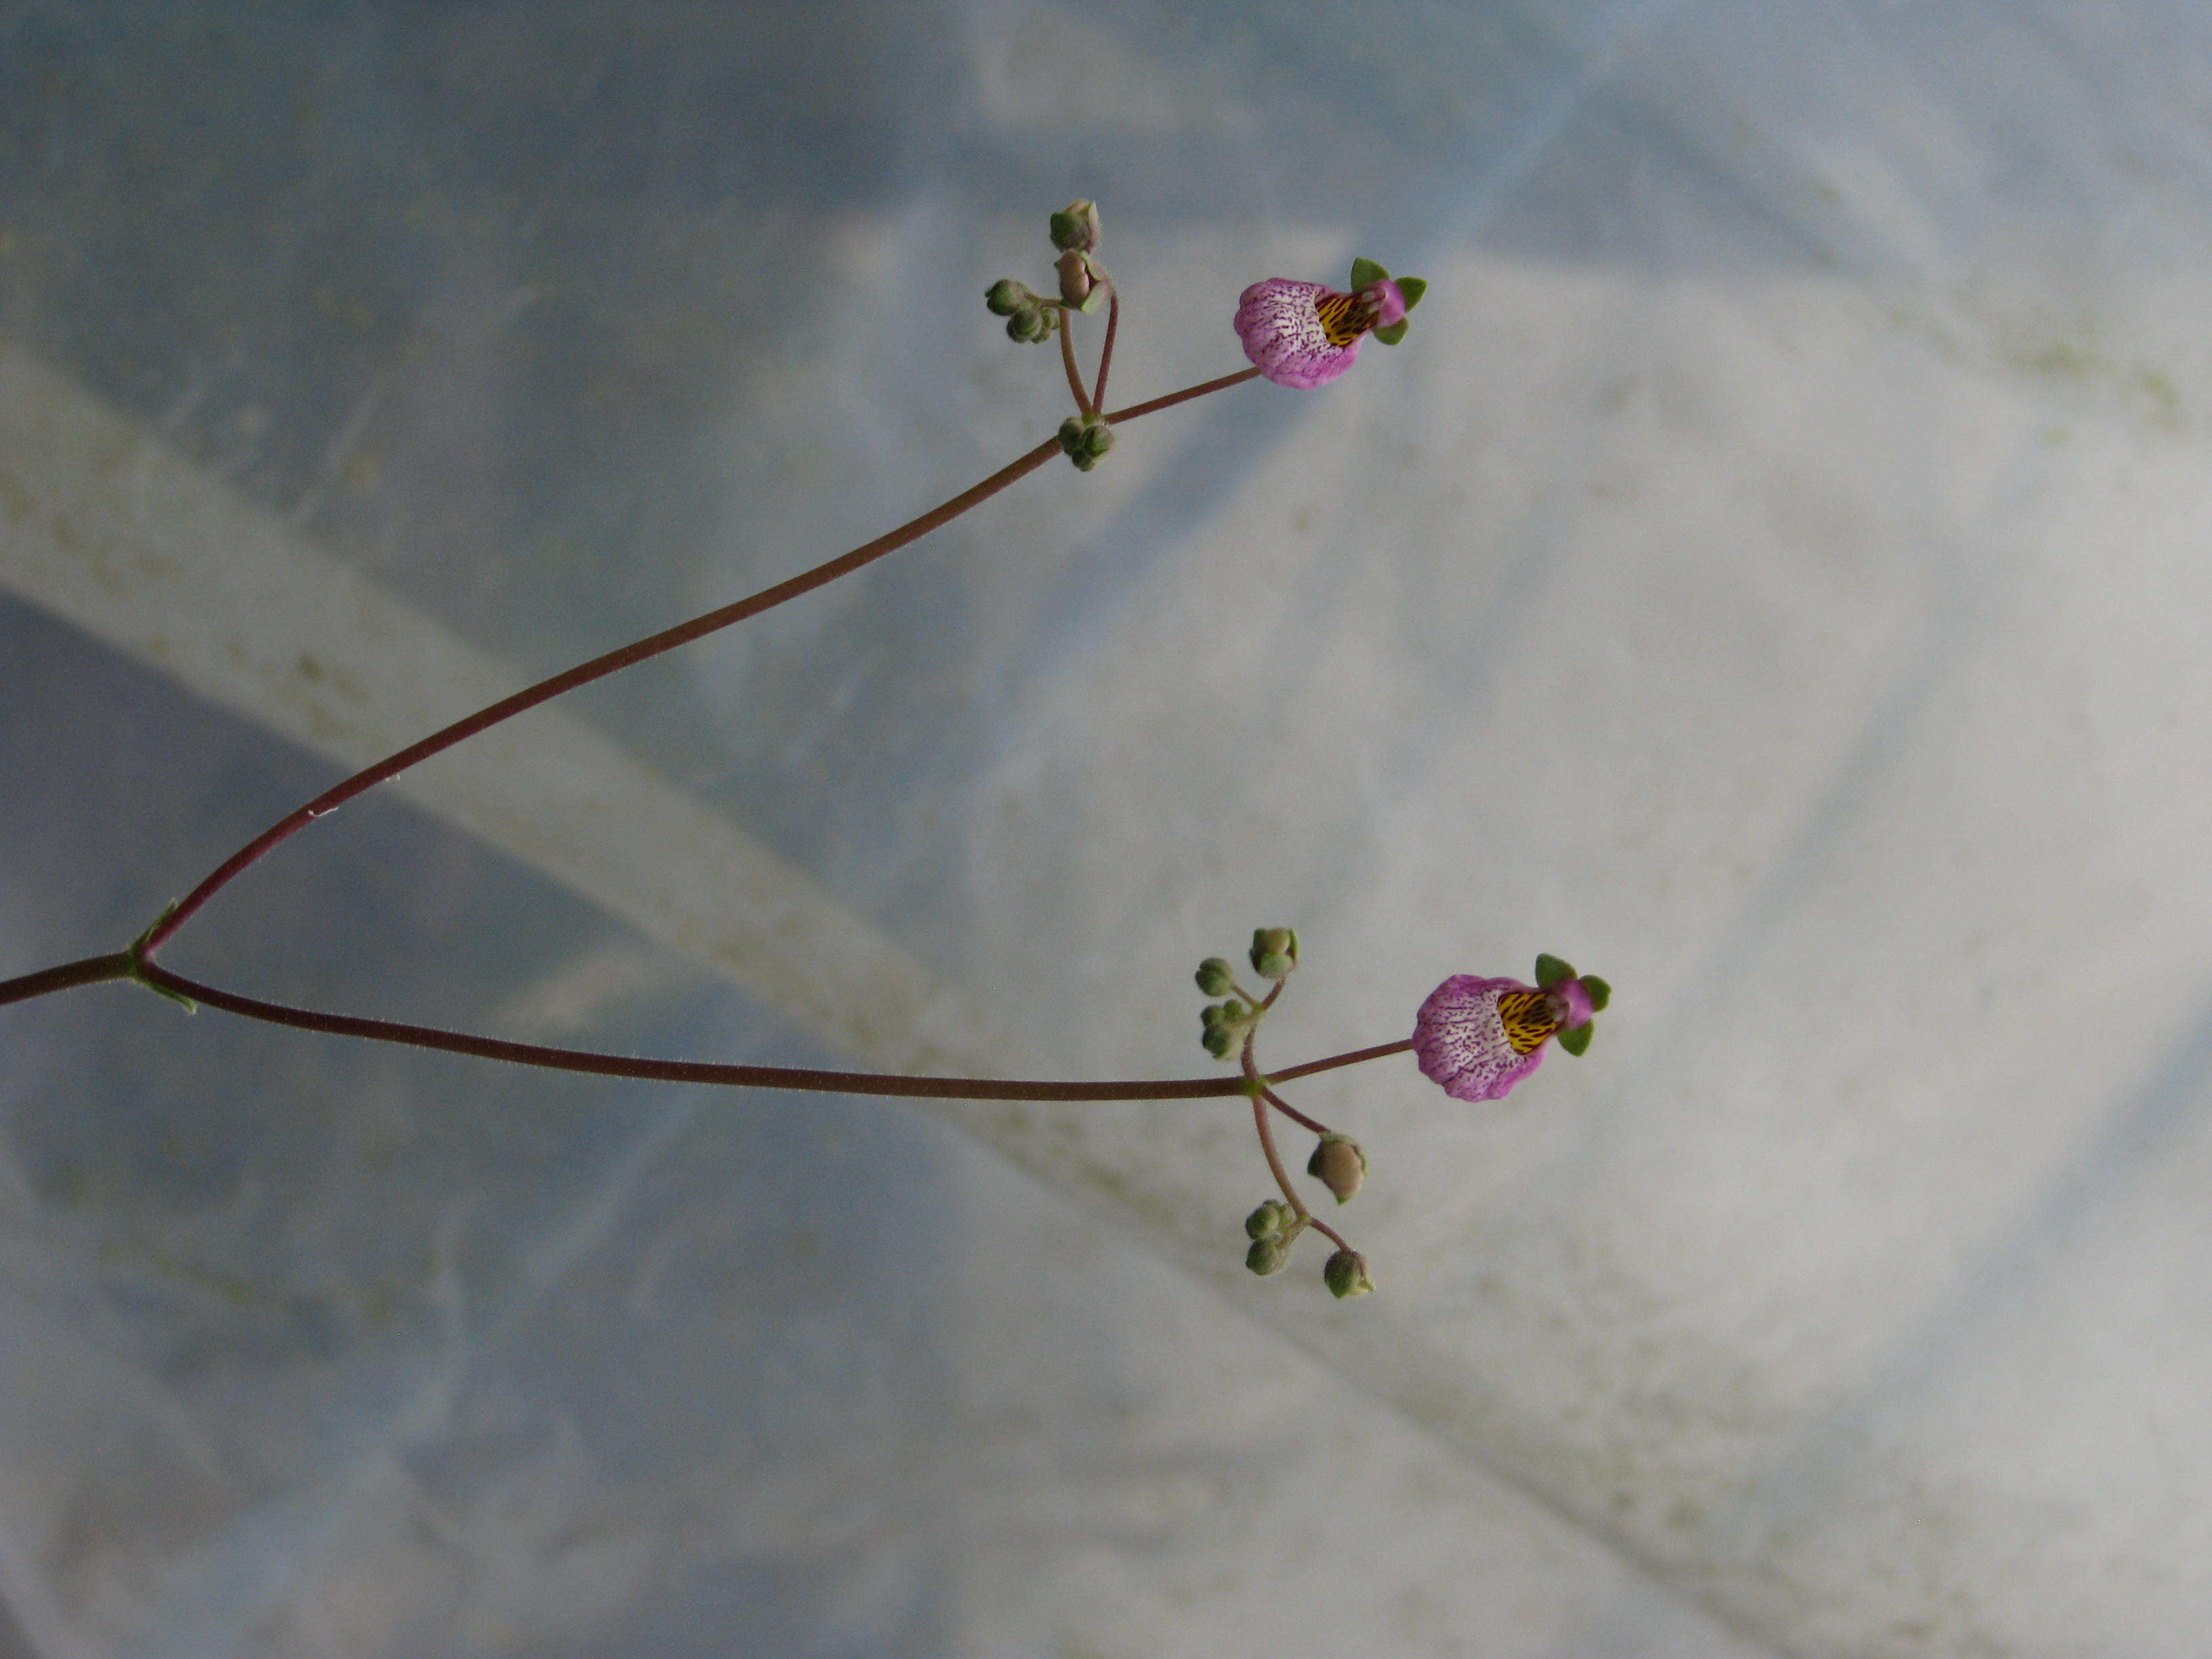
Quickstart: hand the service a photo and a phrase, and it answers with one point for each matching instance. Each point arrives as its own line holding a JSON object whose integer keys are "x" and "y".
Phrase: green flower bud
{"x": 1215, "y": 977}
{"x": 1075, "y": 279}
{"x": 1274, "y": 951}
{"x": 1339, "y": 1164}
{"x": 1345, "y": 1275}
{"x": 1084, "y": 438}
{"x": 1075, "y": 227}
{"x": 1267, "y": 1255}
{"x": 1219, "y": 1040}
{"x": 1007, "y": 296}
{"x": 1032, "y": 323}
{"x": 1269, "y": 1220}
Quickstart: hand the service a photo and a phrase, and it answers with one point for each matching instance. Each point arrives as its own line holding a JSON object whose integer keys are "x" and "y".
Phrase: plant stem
{"x": 1354, "y": 1057}
{"x": 1266, "y": 1131}
{"x": 596, "y": 1064}
{"x": 1083, "y": 404}
{"x": 1275, "y": 1160}
{"x": 1134, "y": 411}
{"x": 1106, "y": 351}
{"x": 1252, "y": 1081}
{"x": 627, "y": 656}
{"x": 1291, "y": 1111}
{"x": 90, "y": 971}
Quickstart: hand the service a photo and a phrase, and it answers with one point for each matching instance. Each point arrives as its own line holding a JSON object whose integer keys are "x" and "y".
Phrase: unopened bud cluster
{"x": 1029, "y": 316}
{"x": 1272, "y": 1228}
{"x": 1274, "y": 953}
{"x": 1080, "y": 283}
{"x": 1084, "y": 438}
{"x": 1221, "y": 1023}
{"x": 1337, "y": 1162}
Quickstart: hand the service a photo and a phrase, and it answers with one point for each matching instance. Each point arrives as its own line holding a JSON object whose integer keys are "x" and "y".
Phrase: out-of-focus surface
{"x": 1771, "y": 574}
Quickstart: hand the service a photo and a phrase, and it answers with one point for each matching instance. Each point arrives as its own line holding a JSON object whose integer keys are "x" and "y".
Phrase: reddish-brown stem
{"x": 1253, "y": 1083}
{"x": 1275, "y": 1160}
{"x": 1083, "y": 404}
{"x": 1291, "y": 1111}
{"x": 1134, "y": 411}
{"x": 627, "y": 656}
{"x": 1355, "y": 1057}
{"x": 1328, "y": 1233}
{"x": 1106, "y": 351}
{"x": 1257, "y": 1086}
{"x": 584, "y": 673}
{"x": 90, "y": 971}
{"x": 596, "y": 1064}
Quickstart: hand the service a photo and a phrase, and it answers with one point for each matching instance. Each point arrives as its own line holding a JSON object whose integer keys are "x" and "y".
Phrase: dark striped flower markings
{"x": 1304, "y": 334}
{"x": 1476, "y": 1037}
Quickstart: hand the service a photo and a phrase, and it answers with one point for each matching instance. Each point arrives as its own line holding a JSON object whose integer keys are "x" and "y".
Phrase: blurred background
{"x": 1772, "y": 575}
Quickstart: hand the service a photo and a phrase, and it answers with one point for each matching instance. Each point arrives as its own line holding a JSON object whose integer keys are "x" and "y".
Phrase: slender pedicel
{"x": 614, "y": 662}
{"x": 596, "y": 1063}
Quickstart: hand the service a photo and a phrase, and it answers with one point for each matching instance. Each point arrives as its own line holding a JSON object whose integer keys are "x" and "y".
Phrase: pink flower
{"x": 1478, "y": 1037}
{"x": 1304, "y": 334}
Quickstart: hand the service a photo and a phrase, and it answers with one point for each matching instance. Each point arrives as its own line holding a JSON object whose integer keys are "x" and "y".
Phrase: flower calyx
{"x": 1075, "y": 227}
{"x": 1083, "y": 279}
{"x": 1267, "y": 1256}
{"x": 1221, "y": 1024}
{"x": 1084, "y": 439}
{"x": 1273, "y": 1227}
{"x": 1031, "y": 317}
{"x": 1274, "y": 951}
{"x": 1339, "y": 1164}
{"x": 1345, "y": 1274}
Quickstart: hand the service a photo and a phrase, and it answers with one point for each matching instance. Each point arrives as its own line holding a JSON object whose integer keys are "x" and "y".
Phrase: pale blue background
{"x": 1772, "y": 573}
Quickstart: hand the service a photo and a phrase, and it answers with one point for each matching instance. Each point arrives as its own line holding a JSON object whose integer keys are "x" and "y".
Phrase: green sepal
{"x": 1267, "y": 1256}
{"x": 1550, "y": 971}
{"x": 1366, "y": 273}
{"x": 1410, "y": 289}
{"x": 1576, "y": 1040}
{"x": 1392, "y": 334}
{"x": 1600, "y": 992}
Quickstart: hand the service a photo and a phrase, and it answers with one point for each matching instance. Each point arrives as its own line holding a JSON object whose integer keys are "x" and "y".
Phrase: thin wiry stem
{"x": 1106, "y": 351}
{"x": 1292, "y": 1112}
{"x": 1083, "y": 404}
{"x": 1183, "y": 396}
{"x": 595, "y": 1063}
{"x": 614, "y": 662}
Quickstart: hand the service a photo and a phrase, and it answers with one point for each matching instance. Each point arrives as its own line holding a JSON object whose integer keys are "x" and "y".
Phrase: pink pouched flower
{"x": 1476, "y": 1038}
{"x": 1304, "y": 335}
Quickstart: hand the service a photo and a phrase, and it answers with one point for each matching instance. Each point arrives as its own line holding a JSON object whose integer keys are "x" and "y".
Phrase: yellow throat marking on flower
{"x": 1344, "y": 317}
{"x": 1527, "y": 1018}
